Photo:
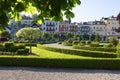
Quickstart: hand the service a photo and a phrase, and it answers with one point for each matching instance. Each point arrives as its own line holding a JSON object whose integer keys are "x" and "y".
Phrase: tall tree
{"x": 69, "y": 35}
{"x": 46, "y": 35}
{"x": 29, "y": 34}
{"x": 97, "y": 37}
{"x": 51, "y": 9}
{"x": 55, "y": 36}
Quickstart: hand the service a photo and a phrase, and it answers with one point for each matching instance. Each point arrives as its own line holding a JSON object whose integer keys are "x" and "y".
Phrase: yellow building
{"x": 111, "y": 25}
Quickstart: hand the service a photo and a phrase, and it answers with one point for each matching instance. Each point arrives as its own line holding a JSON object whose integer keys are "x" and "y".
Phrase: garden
{"x": 84, "y": 54}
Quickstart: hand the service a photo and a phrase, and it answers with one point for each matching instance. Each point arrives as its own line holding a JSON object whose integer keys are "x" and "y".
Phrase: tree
{"x": 97, "y": 37}
{"x": 55, "y": 36}
{"x": 50, "y": 9}
{"x": 5, "y": 33}
{"x": 69, "y": 35}
{"x": 29, "y": 34}
{"x": 77, "y": 36}
{"x": 46, "y": 36}
{"x": 114, "y": 42}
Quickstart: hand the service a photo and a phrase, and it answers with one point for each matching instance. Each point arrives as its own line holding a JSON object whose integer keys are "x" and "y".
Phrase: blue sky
{"x": 91, "y": 10}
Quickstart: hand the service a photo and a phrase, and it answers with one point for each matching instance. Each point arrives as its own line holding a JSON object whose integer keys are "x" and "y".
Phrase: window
{"x": 97, "y": 28}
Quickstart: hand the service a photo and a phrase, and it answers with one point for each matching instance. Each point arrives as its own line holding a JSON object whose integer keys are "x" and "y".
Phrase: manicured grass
{"x": 49, "y": 54}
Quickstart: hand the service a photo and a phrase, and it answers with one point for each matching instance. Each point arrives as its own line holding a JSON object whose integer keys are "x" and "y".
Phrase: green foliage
{"x": 29, "y": 33}
{"x": 55, "y": 36}
{"x": 118, "y": 50}
{"x": 108, "y": 45}
{"x": 88, "y": 42}
{"x": 69, "y": 35}
{"x": 9, "y": 48}
{"x": 5, "y": 33}
{"x": 76, "y": 42}
{"x": 83, "y": 63}
{"x": 97, "y": 37}
{"x": 46, "y": 36}
{"x": 59, "y": 42}
{"x": 66, "y": 43}
{"x": 114, "y": 42}
{"x": 47, "y": 8}
{"x": 22, "y": 51}
{"x": 33, "y": 44}
{"x": 94, "y": 48}
{"x": 80, "y": 52}
{"x": 94, "y": 44}
{"x": 8, "y": 44}
{"x": 82, "y": 43}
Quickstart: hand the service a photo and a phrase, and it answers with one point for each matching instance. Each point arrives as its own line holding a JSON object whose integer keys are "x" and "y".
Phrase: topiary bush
{"x": 80, "y": 52}
{"x": 66, "y": 44}
{"x": 76, "y": 42}
{"x": 94, "y": 44}
{"x": 118, "y": 50}
{"x": 114, "y": 42}
{"x": 22, "y": 51}
{"x": 108, "y": 45}
{"x": 82, "y": 43}
{"x": 95, "y": 48}
{"x": 88, "y": 42}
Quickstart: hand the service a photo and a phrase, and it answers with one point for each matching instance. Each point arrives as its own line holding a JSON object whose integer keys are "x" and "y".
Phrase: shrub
{"x": 88, "y": 42}
{"x": 66, "y": 44}
{"x": 33, "y": 44}
{"x": 8, "y": 44}
{"x": 22, "y": 51}
{"x": 20, "y": 46}
{"x": 70, "y": 40}
{"x": 83, "y": 63}
{"x": 94, "y": 44}
{"x": 118, "y": 50}
{"x": 95, "y": 48}
{"x": 59, "y": 42}
{"x": 114, "y": 42}
{"x": 80, "y": 52}
{"x": 107, "y": 46}
{"x": 82, "y": 43}
{"x": 75, "y": 42}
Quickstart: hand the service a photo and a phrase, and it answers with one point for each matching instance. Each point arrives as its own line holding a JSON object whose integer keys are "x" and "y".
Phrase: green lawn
{"x": 49, "y": 54}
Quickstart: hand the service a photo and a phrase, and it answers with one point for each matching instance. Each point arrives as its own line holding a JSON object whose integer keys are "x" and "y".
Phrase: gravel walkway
{"x": 58, "y": 46}
{"x": 26, "y": 73}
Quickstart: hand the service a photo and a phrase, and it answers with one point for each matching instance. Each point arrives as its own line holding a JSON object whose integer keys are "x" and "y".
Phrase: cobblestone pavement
{"x": 26, "y": 73}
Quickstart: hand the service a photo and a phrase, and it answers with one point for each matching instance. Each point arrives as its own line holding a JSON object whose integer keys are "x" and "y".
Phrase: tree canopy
{"x": 50, "y": 9}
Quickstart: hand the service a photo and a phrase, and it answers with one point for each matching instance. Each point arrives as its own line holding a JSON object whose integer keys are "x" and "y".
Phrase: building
{"x": 73, "y": 27}
{"x": 50, "y": 27}
{"x": 63, "y": 29}
{"x": 84, "y": 30}
{"x": 111, "y": 24}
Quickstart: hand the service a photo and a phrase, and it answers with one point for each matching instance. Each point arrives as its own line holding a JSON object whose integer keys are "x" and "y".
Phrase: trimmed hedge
{"x": 95, "y": 48}
{"x": 80, "y": 52}
{"x": 33, "y": 44}
{"x": 94, "y": 44}
{"x": 22, "y": 51}
{"x": 66, "y": 44}
{"x": 61, "y": 63}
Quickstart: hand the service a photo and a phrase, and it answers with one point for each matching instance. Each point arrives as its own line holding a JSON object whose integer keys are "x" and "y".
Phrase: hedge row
{"x": 61, "y": 63}
{"x": 95, "y": 48}
{"x": 80, "y": 52}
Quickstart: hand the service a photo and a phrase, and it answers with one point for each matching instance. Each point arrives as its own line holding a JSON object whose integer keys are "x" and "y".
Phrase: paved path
{"x": 58, "y": 46}
{"x": 26, "y": 73}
